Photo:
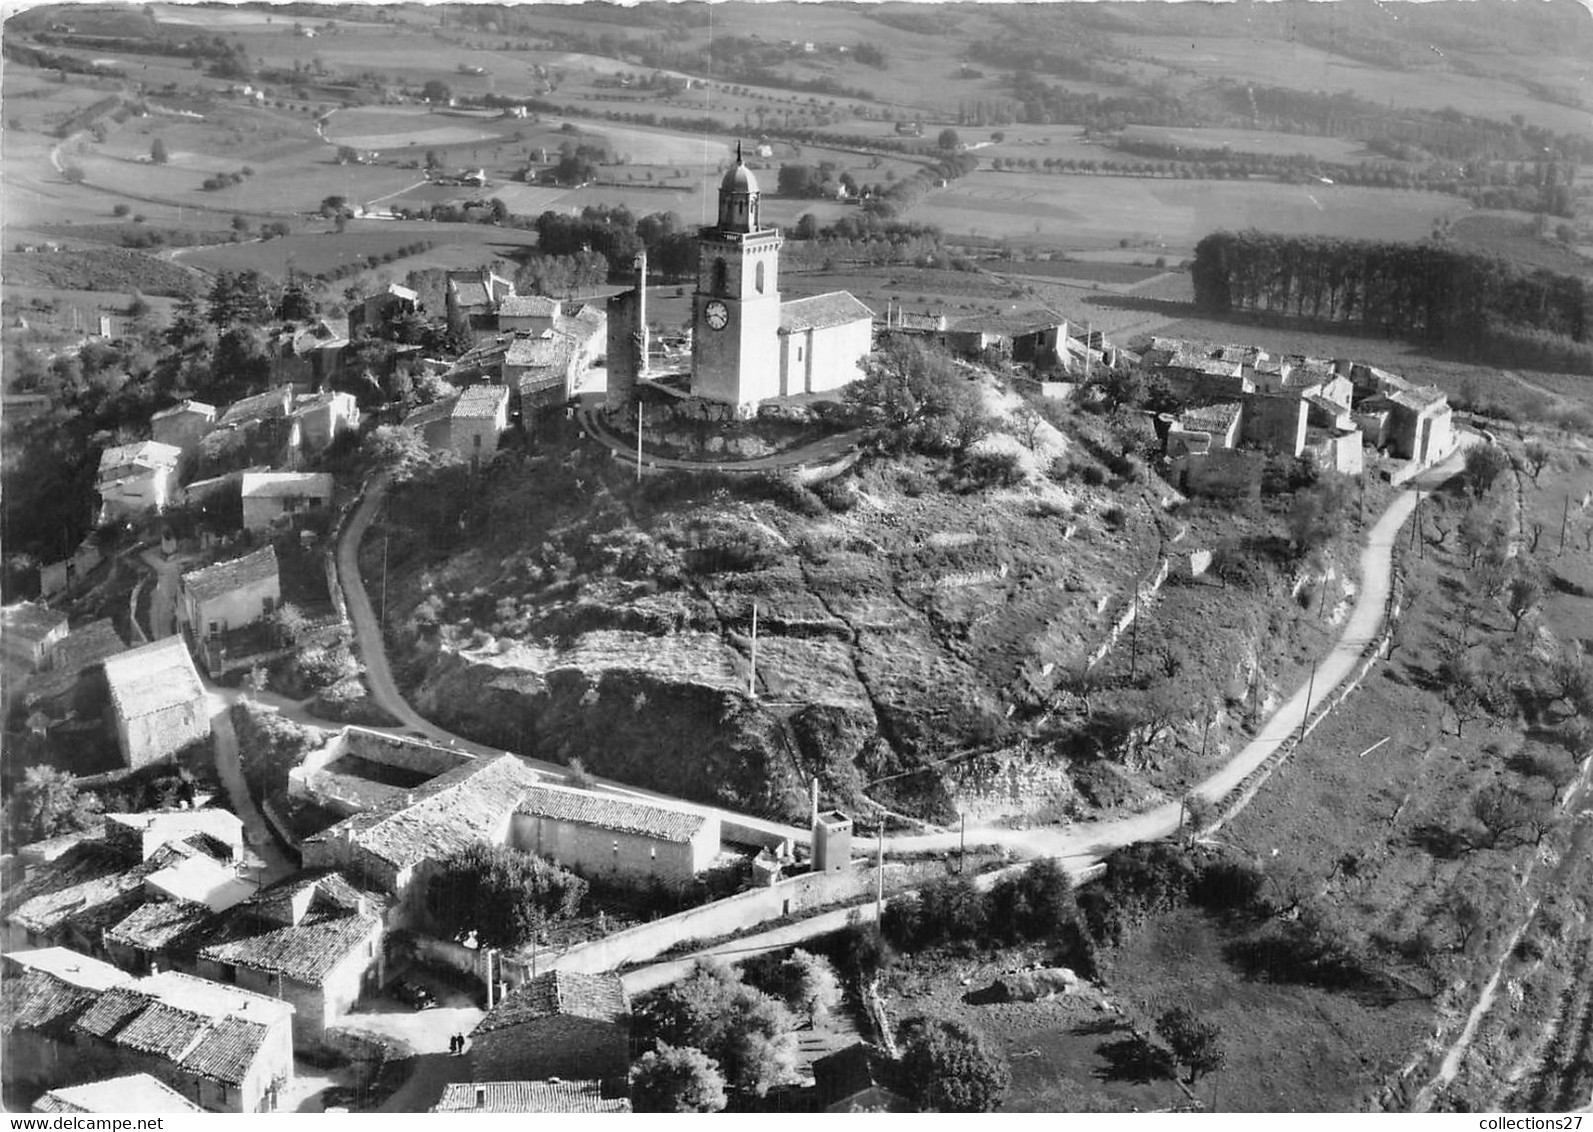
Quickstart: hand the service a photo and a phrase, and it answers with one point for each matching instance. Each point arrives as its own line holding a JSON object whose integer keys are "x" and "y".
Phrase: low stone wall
{"x": 1123, "y": 623}
{"x": 722, "y": 917}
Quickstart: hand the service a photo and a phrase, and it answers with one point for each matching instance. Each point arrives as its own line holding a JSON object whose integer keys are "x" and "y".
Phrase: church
{"x": 747, "y": 346}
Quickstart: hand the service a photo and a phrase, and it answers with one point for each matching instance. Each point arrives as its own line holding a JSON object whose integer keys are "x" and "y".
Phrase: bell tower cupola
{"x": 738, "y": 198}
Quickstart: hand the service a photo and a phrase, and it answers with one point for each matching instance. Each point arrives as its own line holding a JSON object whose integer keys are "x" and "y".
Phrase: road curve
{"x": 1077, "y": 846}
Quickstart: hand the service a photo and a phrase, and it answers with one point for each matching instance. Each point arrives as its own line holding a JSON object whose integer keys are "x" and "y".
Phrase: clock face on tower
{"x": 717, "y": 314}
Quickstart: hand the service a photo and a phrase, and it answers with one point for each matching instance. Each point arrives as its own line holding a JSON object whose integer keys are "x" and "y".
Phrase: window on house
{"x": 268, "y": 604}
{"x": 477, "y": 439}
{"x": 757, "y": 279}
{"x": 215, "y": 628}
{"x": 799, "y": 353}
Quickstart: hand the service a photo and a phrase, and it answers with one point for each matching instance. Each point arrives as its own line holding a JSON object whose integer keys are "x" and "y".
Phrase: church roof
{"x": 833, "y": 309}
{"x": 739, "y": 179}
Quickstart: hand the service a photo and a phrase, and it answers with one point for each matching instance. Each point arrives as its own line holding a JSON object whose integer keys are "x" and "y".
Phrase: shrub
{"x": 1035, "y": 904}
{"x": 949, "y": 1067}
{"x": 840, "y": 496}
{"x": 984, "y": 470}
{"x": 505, "y": 895}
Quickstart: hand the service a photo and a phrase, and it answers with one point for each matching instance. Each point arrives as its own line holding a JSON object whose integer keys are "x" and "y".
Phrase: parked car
{"x": 413, "y": 994}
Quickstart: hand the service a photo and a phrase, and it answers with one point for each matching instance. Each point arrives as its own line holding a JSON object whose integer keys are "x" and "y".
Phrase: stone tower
{"x": 736, "y": 310}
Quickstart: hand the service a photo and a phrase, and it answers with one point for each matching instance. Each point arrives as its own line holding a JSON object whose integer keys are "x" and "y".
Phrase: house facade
{"x": 157, "y": 702}
{"x": 28, "y": 634}
{"x": 272, "y": 498}
{"x": 137, "y": 478}
{"x": 323, "y": 417}
{"x": 229, "y": 595}
{"x": 477, "y": 420}
{"x": 183, "y": 426}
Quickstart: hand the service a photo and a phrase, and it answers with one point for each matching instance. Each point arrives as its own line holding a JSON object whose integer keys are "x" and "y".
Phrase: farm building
{"x": 394, "y": 846}
{"x": 313, "y": 940}
{"x": 183, "y": 425}
{"x": 138, "y": 1092}
{"x": 272, "y": 499}
{"x": 473, "y": 298}
{"x": 597, "y": 834}
{"x": 361, "y": 769}
{"x": 229, "y": 595}
{"x": 531, "y": 1096}
{"x": 560, "y": 1024}
{"x": 1035, "y": 337}
{"x": 1420, "y": 424}
{"x": 135, "y": 478}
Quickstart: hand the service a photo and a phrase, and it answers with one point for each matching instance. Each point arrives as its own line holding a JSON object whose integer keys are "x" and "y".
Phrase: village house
{"x": 542, "y": 371}
{"x": 44, "y": 993}
{"x": 228, "y": 1049}
{"x": 305, "y": 357}
{"x": 274, "y": 499}
{"x": 1026, "y": 337}
{"x": 473, "y": 298}
{"x": 138, "y": 835}
{"x": 560, "y": 1024}
{"x": 157, "y": 702}
{"x": 313, "y": 940}
{"x": 273, "y": 404}
{"x": 1204, "y": 429}
{"x": 135, "y": 478}
{"x": 183, "y": 426}
{"x": 29, "y": 633}
{"x": 528, "y": 313}
{"x": 55, "y": 577}
{"x": 1418, "y": 425}
{"x": 230, "y": 595}
{"x": 323, "y": 417}
{"x": 599, "y": 835}
{"x": 476, "y": 421}
{"x": 531, "y": 1096}
{"x": 395, "y": 846}
{"x": 77, "y": 654}
{"x": 382, "y": 307}
{"x": 361, "y": 769}
{"x": 138, "y": 1092}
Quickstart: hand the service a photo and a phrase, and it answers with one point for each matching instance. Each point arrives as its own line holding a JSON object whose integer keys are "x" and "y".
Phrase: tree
{"x": 436, "y": 90}
{"x": 347, "y": 155}
{"x": 1197, "y": 1045}
{"x": 924, "y": 398}
{"x": 48, "y": 804}
{"x": 749, "y": 1033}
{"x": 1035, "y": 904}
{"x": 289, "y": 623}
{"x": 863, "y": 952}
{"x": 1536, "y": 455}
{"x": 157, "y": 152}
{"x": 1522, "y": 596}
{"x": 505, "y": 895}
{"x": 1504, "y": 811}
{"x": 949, "y": 1067}
{"x": 948, "y": 139}
{"x": 397, "y": 451}
{"x": 1484, "y": 463}
{"x": 810, "y": 985}
{"x": 671, "y": 1079}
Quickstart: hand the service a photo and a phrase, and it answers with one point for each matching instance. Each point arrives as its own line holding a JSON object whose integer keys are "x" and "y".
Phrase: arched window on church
{"x": 721, "y": 277}
{"x": 757, "y": 278}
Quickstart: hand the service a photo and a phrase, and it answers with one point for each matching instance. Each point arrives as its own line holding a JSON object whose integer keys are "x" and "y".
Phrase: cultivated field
{"x": 1251, "y": 141}
{"x": 326, "y": 251}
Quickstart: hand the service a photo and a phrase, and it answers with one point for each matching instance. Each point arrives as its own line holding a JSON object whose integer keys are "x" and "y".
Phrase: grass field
{"x": 320, "y": 252}
{"x": 1251, "y": 141}
{"x": 1083, "y": 212}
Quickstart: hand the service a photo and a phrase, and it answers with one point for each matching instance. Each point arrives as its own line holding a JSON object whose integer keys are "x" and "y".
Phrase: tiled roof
{"x": 529, "y": 1096}
{"x": 1418, "y": 397}
{"x": 229, "y": 1047}
{"x": 27, "y": 621}
{"x": 162, "y": 925}
{"x": 529, "y": 306}
{"x": 152, "y": 678}
{"x": 146, "y": 455}
{"x": 328, "y": 399}
{"x": 588, "y": 316}
{"x": 833, "y": 309}
{"x": 545, "y": 351}
{"x": 305, "y": 952}
{"x": 80, "y": 649}
{"x": 227, "y": 577}
{"x": 271, "y": 403}
{"x": 480, "y": 402}
{"x": 599, "y": 998}
{"x": 199, "y": 407}
{"x": 138, "y": 1093}
{"x": 276, "y": 485}
{"x": 1210, "y": 418}
{"x": 40, "y": 1003}
{"x": 165, "y": 1031}
{"x": 1010, "y": 325}
{"x": 85, "y": 876}
{"x": 430, "y": 414}
{"x": 604, "y": 811}
{"x": 459, "y": 808}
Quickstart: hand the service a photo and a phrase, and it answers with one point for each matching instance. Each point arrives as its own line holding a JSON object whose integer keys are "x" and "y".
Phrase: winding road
{"x": 1077, "y": 846}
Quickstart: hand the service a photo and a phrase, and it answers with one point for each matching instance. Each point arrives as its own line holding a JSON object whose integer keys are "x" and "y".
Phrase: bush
{"x": 949, "y": 1067}
{"x": 505, "y": 895}
{"x": 983, "y": 470}
{"x": 1035, "y": 904}
{"x": 840, "y": 496}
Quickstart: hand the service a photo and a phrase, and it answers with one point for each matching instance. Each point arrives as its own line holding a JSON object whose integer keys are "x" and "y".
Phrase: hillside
{"x": 924, "y": 621}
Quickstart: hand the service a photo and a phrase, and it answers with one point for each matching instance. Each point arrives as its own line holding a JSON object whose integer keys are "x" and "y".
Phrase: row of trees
{"x": 1431, "y": 291}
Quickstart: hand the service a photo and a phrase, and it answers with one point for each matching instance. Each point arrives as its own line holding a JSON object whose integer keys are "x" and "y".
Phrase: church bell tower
{"x": 736, "y": 310}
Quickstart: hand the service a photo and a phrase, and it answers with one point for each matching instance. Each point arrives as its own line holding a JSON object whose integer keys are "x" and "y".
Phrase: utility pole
{"x": 752, "y": 672}
{"x": 1309, "y": 688}
{"x": 962, "y": 846}
{"x": 638, "y": 442}
{"x": 879, "y": 879}
{"x": 1133, "y": 627}
{"x": 386, "y": 535}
